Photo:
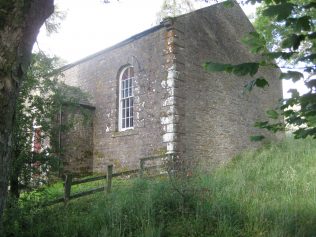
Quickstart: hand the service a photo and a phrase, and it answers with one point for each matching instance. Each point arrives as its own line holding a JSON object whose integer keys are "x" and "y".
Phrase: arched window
{"x": 126, "y": 97}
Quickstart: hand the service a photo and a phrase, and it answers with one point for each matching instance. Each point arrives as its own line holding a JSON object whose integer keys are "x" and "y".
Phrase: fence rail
{"x": 69, "y": 182}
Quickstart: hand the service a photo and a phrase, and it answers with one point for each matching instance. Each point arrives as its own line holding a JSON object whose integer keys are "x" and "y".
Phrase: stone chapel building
{"x": 150, "y": 95}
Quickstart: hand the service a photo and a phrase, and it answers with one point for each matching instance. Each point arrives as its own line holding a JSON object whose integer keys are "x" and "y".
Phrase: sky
{"x": 91, "y": 25}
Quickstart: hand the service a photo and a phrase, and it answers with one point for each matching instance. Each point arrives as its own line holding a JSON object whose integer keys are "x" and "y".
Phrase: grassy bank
{"x": 271, "y": 192}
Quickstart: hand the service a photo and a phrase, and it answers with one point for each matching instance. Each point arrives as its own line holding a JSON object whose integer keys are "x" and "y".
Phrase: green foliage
{"x": 242, "y": 69}
{"x": 37, "y": 104}
{"x": 255, "y": 41}
{"x": 269, "y": 192}
{"x": 259, "y": 82}
{"x": 173, "y": 8}
{"x": 280, "y": 11}
{"x": 40, "y": 100}
{"x": 286, "y": 32}
{"x": 292, "y": 75}
{"x": 256, "y": 138}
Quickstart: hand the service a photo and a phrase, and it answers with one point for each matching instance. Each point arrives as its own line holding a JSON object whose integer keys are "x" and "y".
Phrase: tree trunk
{"x": 20, "y": 22}
{"x": 14, "y": 174}
{"x": 14, "y": 186}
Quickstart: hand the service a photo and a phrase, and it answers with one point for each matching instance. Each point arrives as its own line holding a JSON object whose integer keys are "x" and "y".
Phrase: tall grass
{"x": 269, "y": 192}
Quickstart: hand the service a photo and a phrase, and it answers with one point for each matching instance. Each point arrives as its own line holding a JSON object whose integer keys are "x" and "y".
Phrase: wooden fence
{"x": 69, "y": 181}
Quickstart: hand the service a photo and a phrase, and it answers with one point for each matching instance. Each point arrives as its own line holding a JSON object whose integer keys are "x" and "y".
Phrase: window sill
{"x": 125, "y": 133}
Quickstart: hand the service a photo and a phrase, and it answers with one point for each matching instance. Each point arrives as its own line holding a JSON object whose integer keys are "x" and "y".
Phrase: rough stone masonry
{"x": 205, "y": 118}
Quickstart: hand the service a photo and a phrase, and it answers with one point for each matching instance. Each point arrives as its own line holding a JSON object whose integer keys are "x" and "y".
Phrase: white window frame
{"x": 129, "y": 98}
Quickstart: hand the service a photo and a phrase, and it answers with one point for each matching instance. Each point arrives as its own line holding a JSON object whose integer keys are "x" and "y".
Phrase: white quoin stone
{"x": 171, "y": 91}
{"x": 171, "y": 147}
{"x": 169, "y": 137}
{"x": 165, "y": 120}
{"x": 172, "y": 110}
{"x": 164, "y": 84}
{"x": 169, "y": 120}
{"x": 170, "y": 128}
{"x": 170, "y": 83}
{"x": 169, "y": 101}
{"x": 172, "y": 73}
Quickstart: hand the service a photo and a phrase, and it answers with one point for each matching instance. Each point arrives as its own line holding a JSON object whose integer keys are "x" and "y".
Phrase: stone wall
{"x": 99, "y": 76}
{"x": 218, "y": 115}
{"x": 76, "y": 139}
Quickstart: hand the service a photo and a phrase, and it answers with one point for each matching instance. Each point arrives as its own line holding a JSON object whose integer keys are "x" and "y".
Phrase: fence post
{"x": 109, "y": 178}
{"x": 67, "y": 187}
{"x": 141, "y": 167}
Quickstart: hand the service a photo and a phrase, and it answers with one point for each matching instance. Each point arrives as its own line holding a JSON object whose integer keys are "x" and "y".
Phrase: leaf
{"x": 280, "y": 11}
{"x": 288, "y": 112}
{"x": 271, "y": 127}
{"x": 291, "y": 75}
{"x": 310, "y": 5}
{"x": 272, "y": 114}
{"x": 256, "y": 138}
{"x": 303, "y": 23}
{"x": 245, "y": 68}
{"x": 228, "y": 3}
{"x": 283, "y": 55}
{"x": 255, "y": 41}
{"x": 239, "y": 69}
{"x": 293, "y": 41}
{"x": 311, "y": 83}
{"x": 294, "y": 93}
{"x": 261, "y": 124}
{"x": 217, "y": 67}
{"x": 311, "y": 35}
{"x": 259, "y": 82}
{"x": 311, "y": 121}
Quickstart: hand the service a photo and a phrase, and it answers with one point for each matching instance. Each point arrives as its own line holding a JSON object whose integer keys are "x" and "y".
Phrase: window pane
{"x": 131, "y": 122}
{"x": 123, "y": 123}
{"x": 127, "y": 123}
{"x": 125, "y": 75}
{"x": 126, "y": 83}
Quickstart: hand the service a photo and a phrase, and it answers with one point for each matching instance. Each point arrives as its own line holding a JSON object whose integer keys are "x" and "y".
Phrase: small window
{"x": 126, "y": 104}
